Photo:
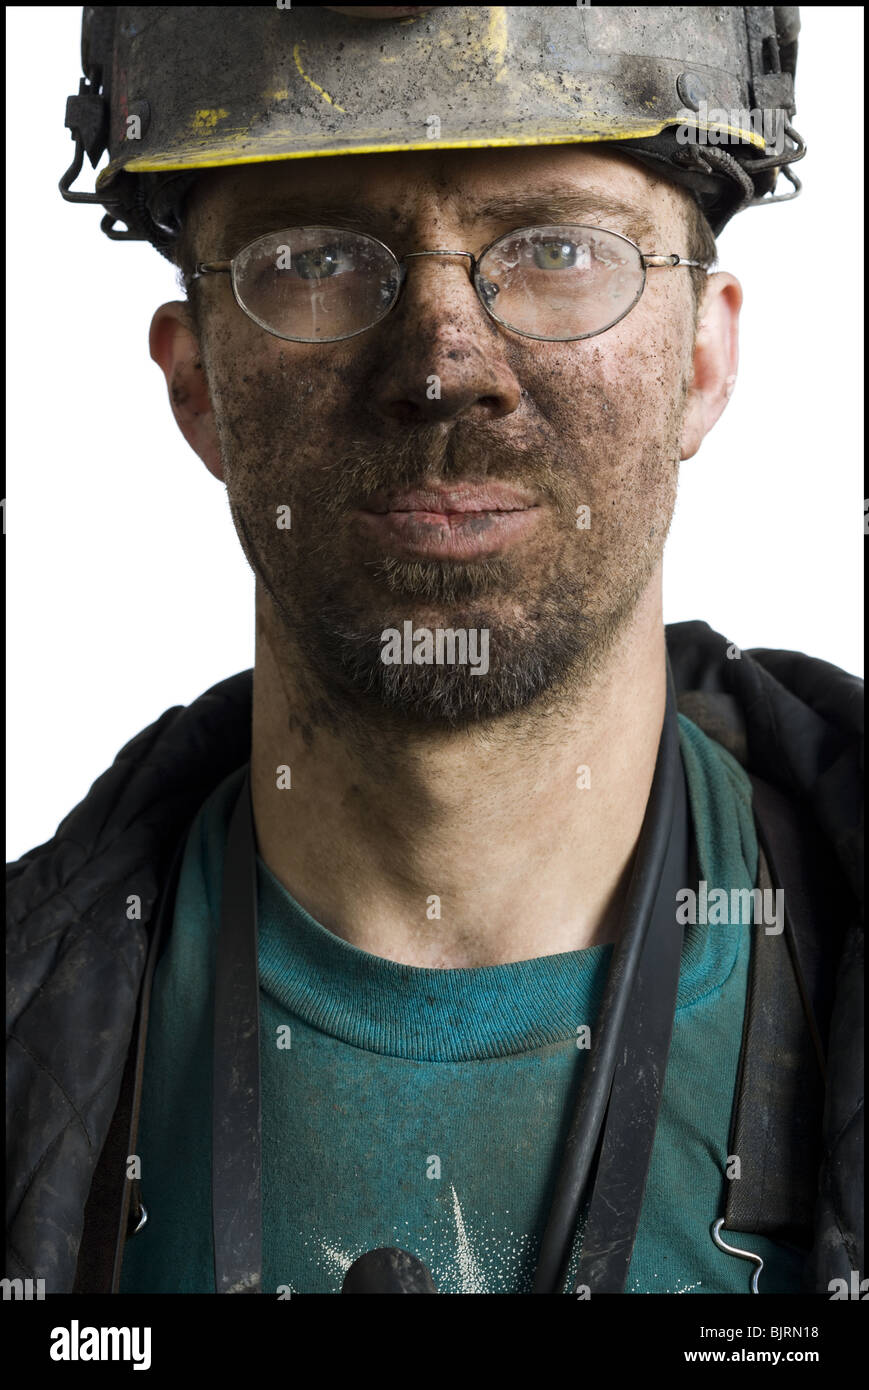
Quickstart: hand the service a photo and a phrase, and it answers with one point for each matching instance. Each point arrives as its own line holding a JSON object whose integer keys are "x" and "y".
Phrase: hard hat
{"x": 702, "y": 95}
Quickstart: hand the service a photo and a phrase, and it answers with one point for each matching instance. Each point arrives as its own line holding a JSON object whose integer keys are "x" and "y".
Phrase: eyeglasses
{"x": 324, "y": 284}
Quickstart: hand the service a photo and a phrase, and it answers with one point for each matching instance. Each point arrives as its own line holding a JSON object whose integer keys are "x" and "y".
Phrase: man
{"x": 453, "y": 480}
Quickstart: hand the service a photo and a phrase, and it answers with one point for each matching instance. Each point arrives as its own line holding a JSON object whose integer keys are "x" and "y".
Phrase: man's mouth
{"x": 460, "y": 521}
{"x": 457, "y": 498}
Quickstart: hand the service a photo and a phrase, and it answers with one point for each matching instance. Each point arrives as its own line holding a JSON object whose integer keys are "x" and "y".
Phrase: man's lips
{"x": 462, "y": 497}
{"x": 464, "y": 521}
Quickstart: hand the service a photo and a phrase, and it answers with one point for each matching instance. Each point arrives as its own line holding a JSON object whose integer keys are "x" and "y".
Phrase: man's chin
{"x": 433, "y": 643}
{"x": 469, "y": 669}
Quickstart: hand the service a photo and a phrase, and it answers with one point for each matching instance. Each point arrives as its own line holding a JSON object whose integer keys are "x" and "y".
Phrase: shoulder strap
{"x": 615, "y": 1113}
{"x": 614, "y": 1209}
{"x": 114, "y": 1210}
{"x": 777, "y": 1120}
{"x": 236, "y": 1144}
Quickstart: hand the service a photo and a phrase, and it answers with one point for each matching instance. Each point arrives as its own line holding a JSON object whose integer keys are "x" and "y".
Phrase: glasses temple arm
{"x": 655, "y": 260}
{"x": 208, "y": 268}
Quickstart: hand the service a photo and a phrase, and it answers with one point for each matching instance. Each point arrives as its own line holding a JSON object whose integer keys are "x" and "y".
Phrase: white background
{"x": 127, "y": 588}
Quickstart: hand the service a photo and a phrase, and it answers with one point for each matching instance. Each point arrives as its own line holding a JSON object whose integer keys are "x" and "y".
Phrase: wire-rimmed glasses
{"x": 556, "y": 283}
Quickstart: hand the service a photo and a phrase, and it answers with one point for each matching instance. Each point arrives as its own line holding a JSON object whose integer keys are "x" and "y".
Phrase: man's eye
{"x": 320, "y": 263}
{"x": 558, "y": 255}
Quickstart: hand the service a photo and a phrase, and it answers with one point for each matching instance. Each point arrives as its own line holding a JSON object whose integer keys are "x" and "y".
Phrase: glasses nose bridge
{"x": 413, "y": 255}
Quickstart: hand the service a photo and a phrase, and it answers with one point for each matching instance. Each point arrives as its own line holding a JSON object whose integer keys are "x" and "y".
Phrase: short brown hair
{"x": 700, "y": 246}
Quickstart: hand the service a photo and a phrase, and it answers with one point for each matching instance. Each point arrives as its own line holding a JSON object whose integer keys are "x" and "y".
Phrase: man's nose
{"x": 441, "y": 355}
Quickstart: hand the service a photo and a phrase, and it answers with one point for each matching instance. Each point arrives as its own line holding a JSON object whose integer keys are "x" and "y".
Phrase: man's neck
{"x": 460, "y": 848}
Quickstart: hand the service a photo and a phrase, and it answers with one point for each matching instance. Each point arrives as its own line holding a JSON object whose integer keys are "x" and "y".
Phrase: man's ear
{"x": 175, "y": 348}
{"x": 716, "y": 357}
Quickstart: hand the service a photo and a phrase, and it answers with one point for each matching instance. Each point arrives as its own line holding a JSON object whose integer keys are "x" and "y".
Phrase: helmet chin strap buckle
{"x": 86, "y": 118}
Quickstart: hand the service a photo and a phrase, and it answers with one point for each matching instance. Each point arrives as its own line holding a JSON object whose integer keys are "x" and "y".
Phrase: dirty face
{"x": 379, "y": 471}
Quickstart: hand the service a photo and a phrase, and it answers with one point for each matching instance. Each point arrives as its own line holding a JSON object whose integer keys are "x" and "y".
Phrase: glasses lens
{"x": 315, "y": 284}
{"x": 561, "y": 282}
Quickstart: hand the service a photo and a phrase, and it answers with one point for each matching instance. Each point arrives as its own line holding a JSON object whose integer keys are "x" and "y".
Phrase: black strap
{"x": 236, "y": 1160}
{"x": 776, "y": 1125}
{"x": 114, "y": 1207}
{"x": 624, "y": 1073}
{"x": 632, "y": 1116}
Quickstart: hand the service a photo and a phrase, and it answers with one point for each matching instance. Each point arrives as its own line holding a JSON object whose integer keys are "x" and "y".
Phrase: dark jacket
{"x": 77, "y": 951}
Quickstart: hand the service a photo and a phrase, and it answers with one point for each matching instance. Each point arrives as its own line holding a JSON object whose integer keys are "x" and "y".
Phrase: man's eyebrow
{"x": 540, "y": 207}
{"x": 304, "y": 212}
{"x": 564, "y": 205}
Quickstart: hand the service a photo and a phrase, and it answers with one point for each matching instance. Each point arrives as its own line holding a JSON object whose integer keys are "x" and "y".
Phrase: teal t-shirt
{"x": 428, "y": 1109}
